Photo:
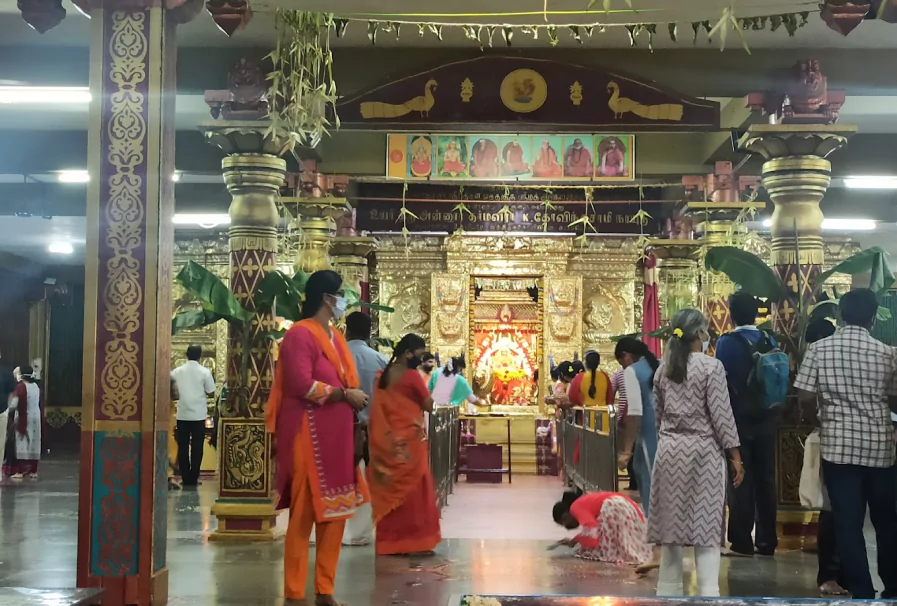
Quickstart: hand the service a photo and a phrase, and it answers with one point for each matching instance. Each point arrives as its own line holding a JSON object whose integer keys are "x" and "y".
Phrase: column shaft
{"x": 122, "y": 520}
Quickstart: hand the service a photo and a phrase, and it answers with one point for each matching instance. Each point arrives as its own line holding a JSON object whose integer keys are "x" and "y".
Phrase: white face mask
{"x": 339, "y": 307}
{"x": 705, "y": 344}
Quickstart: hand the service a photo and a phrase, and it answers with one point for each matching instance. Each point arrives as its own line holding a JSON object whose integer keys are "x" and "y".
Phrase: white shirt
{"x": 633, "y": 392}
{"x": 194, "y": 381}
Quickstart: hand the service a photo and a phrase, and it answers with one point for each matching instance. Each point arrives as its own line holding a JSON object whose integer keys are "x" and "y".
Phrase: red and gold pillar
{"x": 254, "y": 174}
{"x": 123, "y": 494}
{"x": 796, "y": 174}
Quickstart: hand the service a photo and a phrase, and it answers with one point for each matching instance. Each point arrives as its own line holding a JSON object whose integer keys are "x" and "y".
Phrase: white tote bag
{"x": 810, "y": 489}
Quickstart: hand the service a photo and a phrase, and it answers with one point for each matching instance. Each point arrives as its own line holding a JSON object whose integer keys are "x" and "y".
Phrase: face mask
{"x": 705, "y": 344}
{"x": 339, "y": 309}
{"x": 413, "y": 362}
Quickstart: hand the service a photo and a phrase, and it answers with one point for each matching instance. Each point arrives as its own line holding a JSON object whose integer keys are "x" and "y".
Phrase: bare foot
{"x": 832, "y": 588}
{"x": 327, "y": 600}
{"x": 643, "y": 569}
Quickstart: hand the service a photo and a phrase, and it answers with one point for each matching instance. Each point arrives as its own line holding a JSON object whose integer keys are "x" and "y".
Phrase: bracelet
{"x": 739, "y": 463}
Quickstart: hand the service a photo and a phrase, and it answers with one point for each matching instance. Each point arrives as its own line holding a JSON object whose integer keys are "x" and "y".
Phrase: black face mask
{"x": 414, "y": 363}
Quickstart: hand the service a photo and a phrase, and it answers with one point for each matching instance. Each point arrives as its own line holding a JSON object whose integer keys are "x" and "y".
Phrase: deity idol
{"x": 510, "y": 372}
{"x": 547, "y": 165}
{"x": 512, "y": 160}
{"x": 484, "y": 159}
{"x": 613, "y": 159}
{"x": 451, "y": 159}
{"x": 577, "y": 160}
{"x": 421, "y": 162}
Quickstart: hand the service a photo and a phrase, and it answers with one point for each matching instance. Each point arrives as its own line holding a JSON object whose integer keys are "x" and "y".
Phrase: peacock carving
{"x": 423, "y": 104}
{"x": 622, "y": 105}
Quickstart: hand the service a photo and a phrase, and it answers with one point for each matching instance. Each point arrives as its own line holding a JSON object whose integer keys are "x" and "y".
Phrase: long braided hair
{"x": 409, "y": 342}
{"x": 593, "y": 359}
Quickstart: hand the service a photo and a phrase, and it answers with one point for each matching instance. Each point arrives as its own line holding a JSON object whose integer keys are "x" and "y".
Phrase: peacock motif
{"x": 622, "y": 105}
{"x": 423, "y": 104}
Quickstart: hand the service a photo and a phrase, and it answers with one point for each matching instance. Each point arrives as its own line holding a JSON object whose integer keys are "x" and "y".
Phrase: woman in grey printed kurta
{"x": 695, "y": 430}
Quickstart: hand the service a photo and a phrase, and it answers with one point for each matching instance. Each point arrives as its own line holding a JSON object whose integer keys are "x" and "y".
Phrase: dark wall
{"x": 66, "y": 356}
{"x": 14, "y": 318}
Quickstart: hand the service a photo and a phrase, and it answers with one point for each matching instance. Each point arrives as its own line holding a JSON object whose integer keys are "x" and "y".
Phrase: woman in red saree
{"x": 402, "y": 495}
{"x": 310, "y": 412}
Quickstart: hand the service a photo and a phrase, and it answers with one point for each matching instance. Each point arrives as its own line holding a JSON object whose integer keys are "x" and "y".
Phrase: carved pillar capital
{"x": 316, "y": 227}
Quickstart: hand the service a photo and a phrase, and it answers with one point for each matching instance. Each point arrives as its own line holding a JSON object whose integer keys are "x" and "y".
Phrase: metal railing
{"x": 587, "y": 437}
{"x": 444, "y": 439}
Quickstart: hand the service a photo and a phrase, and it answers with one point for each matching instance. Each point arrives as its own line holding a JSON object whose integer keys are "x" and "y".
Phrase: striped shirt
{"x": 618, "y": 385}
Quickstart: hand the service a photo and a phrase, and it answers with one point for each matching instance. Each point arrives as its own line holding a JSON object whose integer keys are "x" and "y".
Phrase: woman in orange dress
{"x": 402, "y": 495}
{"x": 311, "y": 413}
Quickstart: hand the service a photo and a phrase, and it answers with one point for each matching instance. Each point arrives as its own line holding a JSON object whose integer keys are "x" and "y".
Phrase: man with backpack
{"x": 757, "y": 372}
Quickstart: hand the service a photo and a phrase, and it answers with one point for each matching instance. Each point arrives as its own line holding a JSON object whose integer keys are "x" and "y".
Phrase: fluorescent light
{"x": 176, "y": 177}
{"x": 45, "y": 94}
{"x": 206, "y": 220}
{"x": 61, "y": 248}
{"x": 867, "y": 182}
{"x": 840, "y": 224}
{"x": 73, "y": 176}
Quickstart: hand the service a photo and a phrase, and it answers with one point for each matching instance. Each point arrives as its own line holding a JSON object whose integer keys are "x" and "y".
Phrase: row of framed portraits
{"x": 529, "y": 157}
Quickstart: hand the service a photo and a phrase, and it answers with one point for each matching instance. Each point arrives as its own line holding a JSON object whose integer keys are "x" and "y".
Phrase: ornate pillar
{"x": 320, "y": 202}
{"x": 254, "y": 174}
{"x": 796, "y": 174}
{"x": 677, "y": 265}
{"x": 350, "y": 260}
{"x": 123, "y": 492}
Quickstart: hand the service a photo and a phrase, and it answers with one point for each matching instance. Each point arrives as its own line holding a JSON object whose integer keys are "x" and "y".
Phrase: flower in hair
{"x": 677, "y": 332}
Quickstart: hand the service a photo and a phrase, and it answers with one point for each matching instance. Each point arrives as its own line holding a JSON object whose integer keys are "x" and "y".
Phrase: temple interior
{"x": 518, "y": 188}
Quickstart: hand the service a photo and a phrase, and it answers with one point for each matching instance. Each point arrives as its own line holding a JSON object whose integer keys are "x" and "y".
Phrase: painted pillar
{"x": 796, "y": 174}
{"x": 123, "y": 494}
{"x": 677, "y": 269}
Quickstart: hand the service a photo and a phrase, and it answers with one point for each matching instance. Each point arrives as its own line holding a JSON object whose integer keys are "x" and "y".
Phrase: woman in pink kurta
{"x": 612, "y": 527}
{"x": 311, "y": 414}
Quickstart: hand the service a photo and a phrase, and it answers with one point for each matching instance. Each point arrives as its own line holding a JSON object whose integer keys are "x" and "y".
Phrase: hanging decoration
{"x": 301, "y": 88}
{"x": 483, "y": 34}
{"x": 404, "y": 214}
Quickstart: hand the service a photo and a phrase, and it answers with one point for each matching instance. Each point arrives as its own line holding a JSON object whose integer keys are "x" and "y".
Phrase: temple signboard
{"x": 442, "y": 209}
{"x": 524, "y": 157}
{"x": 514, "y": 95}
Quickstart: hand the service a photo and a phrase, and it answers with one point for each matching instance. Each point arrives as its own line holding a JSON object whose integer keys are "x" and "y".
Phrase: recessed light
{"x": 73, "y": 176}
{"x": 840, "y": 224}
{"x": 869, "y": 182}
{"x": 176, "y": 177}
{"x": 61, "y": 248}
{"x": 206, "y": 220}
{"x": 45, "y": 94}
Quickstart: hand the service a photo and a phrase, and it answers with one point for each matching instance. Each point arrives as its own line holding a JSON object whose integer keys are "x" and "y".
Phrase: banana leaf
{"x": 663, "y": 332}
{"x": 872, "y": 260}
{"x": 354, "y": 300}
{"x": 300, "y": 279}
{"x": 748, "y": 271}
{"x": 195, "y": 318}
{"x": 215, "y": 296}
{"x": 275, "y": 335}
{"x": 278, "y": 288}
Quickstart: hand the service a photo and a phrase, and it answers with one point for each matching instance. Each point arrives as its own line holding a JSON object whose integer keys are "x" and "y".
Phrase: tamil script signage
{"x": 501, "y": 209}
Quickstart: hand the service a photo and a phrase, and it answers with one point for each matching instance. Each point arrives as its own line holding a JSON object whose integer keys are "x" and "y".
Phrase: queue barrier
{"x": 587, "y": 439}
{"x": 444, "y": 436}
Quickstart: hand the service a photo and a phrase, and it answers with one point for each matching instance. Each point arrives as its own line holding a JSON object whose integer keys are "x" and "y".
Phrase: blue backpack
{"x": 767, "y": 381}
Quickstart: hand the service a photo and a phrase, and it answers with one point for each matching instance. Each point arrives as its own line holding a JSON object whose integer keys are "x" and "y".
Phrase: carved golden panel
{"x": 450, "y": 307}
{"x": 411, "y": 300}
{"x": 608, "y": 310}
{"x": 562, "y": 330}
{"x": 244, "y": 459}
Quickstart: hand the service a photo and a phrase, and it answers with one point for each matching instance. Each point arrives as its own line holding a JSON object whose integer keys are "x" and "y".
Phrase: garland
{"x": 485, "y": 34}
{"x": 300, "y": 85}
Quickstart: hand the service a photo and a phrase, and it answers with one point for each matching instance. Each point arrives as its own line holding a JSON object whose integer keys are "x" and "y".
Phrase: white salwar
{"x": 28, "y": 445}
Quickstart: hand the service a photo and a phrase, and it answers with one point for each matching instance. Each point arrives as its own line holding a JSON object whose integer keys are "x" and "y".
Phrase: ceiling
{"x": 29, "y": 238}
{"x": 201, "y": 32}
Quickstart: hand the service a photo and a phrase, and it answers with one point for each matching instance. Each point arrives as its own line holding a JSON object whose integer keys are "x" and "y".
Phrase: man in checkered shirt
{"x": 854, "y": 378}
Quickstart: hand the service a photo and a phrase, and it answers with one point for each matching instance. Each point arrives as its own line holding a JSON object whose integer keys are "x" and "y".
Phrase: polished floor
{"x": 496, "y": 539}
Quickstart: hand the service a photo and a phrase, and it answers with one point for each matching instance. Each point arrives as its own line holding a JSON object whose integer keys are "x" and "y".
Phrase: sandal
{"x": 327, "y": 600}
{"x": 832, "y": 588}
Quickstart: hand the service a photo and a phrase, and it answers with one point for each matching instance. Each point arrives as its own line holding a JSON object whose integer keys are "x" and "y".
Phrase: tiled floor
{"x": 495, "y": 544}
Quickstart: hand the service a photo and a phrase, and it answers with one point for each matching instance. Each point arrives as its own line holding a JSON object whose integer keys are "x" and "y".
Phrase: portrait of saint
{"x": 513, "y": 159}
{"x": 612, "y": 158}
{"x": 547, "y": 165}
{"x": 484, "y": 159}
{"x": 578, "y": 160}
{"x": 421, "y": 154}
{"x": 453, "y": 157}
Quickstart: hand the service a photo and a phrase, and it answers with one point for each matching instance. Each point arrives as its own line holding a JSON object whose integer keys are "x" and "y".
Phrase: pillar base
{"x": 245, "y": 521}
{"x": 796, "y": 528}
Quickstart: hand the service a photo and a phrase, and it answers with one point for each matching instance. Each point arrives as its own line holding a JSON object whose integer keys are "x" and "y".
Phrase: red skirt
{"x": 414, "y": 526}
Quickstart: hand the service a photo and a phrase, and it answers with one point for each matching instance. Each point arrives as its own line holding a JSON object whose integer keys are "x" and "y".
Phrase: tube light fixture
{"x": 840, "y": 224}
{"x": 45, "y": 94}
{"x": 61, "y": 248}
{"x": 73, "y": 176}
{"x": 868, "y": 182}
{"x": 205, "y": 220}
{"x": 175, "y": 177}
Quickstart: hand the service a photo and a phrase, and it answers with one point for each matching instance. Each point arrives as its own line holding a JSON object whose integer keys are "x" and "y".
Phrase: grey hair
{"x": 675, "y": 356}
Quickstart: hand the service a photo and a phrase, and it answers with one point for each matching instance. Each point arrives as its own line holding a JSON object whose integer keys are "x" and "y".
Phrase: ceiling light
{"x": 73, "y": 176}
{"x": 206, "y": 220}
{"x": 61, "y": 248}
{"x": 840, "y": 224}
{"x": 45, "y": 94}
{"x": 871, "y": 182}
{"x": 176, "y": 177}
